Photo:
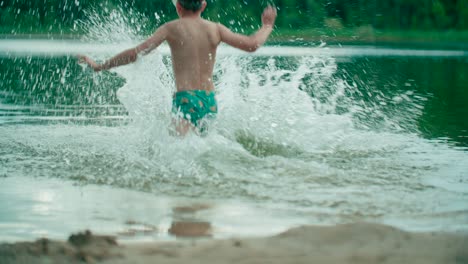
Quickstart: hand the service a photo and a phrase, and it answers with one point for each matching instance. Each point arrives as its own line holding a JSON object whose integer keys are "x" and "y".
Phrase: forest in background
{"x": 295, "y": 17}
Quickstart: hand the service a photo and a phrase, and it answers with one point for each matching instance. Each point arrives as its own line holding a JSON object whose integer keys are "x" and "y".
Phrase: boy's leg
{"x": 182, "y": 126}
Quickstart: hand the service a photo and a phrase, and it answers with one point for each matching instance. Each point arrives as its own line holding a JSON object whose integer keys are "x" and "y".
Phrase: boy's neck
{"x": 190, "y": 15}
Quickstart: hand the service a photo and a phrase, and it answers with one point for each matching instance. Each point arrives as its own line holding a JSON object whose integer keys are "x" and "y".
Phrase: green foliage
{"x": 462, "y": 21}
{"x": 32, "y": 16}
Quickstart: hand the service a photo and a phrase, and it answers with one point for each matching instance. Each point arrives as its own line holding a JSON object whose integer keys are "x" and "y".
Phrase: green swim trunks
{"x": 194, "y": 105}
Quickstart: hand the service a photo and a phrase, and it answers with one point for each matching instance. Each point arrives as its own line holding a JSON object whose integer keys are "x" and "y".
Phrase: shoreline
{"x": 314, "y": 37}
{"x": 346, "y": 243}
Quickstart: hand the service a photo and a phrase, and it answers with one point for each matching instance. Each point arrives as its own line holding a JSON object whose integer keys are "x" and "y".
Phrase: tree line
{"x": 29, "y": 16}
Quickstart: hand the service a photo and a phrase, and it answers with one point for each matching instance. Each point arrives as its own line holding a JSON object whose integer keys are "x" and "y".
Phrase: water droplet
{"x": 397, "y": 99}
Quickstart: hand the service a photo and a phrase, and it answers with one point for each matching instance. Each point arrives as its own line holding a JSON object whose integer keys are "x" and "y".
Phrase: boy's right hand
{"x": 85, "y": 59}
{"x": 269, "y": 16}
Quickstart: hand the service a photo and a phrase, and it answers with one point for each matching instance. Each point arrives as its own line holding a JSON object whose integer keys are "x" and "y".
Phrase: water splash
{"x": 268, "y": 105}
{"x": 119, "y": 24}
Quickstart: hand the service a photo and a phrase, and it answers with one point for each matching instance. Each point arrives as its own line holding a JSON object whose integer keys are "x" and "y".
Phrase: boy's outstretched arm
{"x": 253, "y": 42}
{"x": 130, "y": 55}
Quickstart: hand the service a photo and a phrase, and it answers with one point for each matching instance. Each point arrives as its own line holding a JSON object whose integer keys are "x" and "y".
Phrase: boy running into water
{"x": 193, "y": 42}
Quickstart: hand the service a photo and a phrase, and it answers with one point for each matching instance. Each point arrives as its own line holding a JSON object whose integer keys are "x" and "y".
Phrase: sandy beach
{"x": 349, "y": 243}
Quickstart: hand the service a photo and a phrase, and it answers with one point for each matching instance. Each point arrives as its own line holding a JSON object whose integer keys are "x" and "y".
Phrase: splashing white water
{"x": 264, "y": 105}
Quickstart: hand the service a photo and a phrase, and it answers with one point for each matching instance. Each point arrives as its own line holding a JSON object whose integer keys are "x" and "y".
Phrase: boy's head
{"x": 191, "y": 5}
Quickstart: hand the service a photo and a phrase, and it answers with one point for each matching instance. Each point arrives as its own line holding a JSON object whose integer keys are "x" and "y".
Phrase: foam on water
{"x": 291, "y": 134}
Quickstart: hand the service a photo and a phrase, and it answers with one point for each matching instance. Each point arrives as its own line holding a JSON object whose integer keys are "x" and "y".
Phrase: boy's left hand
{"x": 269, "y": 16}
{"x": 85, "y": 59}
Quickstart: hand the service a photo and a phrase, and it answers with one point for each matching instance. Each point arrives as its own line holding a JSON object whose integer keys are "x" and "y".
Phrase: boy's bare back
{"x": 193, "y": 43}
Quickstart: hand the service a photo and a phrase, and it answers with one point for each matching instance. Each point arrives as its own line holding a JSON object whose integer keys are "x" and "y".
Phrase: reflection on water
{"x": 190, "y": 229}
{"x": 43, "y": 201}
{"x": 187, "y": 224}
{"x": 130, "y": 215}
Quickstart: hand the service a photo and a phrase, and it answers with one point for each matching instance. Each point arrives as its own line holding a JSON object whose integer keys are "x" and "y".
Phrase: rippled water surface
{"x": 322, "y": 136}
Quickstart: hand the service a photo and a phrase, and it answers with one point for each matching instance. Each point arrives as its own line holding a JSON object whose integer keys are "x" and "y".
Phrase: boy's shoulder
{"x": 177, "y": 26}
{"x": 171, "y": 23}
{"x": 179, "y": 21}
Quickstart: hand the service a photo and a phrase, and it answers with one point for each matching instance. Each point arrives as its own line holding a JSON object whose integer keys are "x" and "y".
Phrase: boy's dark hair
{"x": 192, "y": 5}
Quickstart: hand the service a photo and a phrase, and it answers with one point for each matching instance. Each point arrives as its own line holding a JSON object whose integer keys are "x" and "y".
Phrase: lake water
{"x": 319, "y": 135}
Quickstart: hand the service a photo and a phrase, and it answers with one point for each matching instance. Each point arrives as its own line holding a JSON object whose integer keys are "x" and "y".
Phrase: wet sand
{"x": 349, "y": 243}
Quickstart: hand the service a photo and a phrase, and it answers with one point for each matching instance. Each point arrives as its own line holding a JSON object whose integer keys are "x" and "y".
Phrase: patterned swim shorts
{"x": 194, "y": 105}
